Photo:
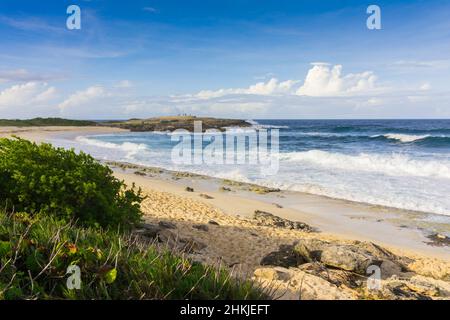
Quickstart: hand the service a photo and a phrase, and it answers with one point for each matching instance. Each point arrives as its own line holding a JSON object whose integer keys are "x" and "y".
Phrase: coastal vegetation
{"x": 62, "y": 209}
{"x": 41, "y": 122}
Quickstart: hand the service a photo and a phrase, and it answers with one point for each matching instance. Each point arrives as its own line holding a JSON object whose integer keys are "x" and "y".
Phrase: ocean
{"x": 396, "y": 163}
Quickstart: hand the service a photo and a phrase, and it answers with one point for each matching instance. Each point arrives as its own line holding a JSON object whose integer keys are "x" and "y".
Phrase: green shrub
{"x": 36, "y": 252}
{"x": 41, "y": 179}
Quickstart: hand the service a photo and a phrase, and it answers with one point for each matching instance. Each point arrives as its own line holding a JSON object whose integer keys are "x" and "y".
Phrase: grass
{"x": 40, "y": 122}
{"x": 35, "y": 252}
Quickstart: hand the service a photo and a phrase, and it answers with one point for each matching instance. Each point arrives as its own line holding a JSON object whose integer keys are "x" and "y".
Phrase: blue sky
{"x": 251, "y": 59}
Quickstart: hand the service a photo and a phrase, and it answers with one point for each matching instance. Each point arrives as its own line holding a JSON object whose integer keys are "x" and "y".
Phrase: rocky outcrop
{"x": 176, "y": 122}
{"x": 269, "y": 220}
{"x": 317, "y": 269}
{"x": 284, "y": 257}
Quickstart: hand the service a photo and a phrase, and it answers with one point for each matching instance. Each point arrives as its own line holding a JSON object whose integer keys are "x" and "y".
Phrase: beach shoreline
{"x": 218, "y": 215}
{"x": 341, "y": 218}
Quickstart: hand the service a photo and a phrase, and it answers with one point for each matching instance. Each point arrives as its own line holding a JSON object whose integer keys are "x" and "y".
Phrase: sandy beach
{"x": 220, "y": 215}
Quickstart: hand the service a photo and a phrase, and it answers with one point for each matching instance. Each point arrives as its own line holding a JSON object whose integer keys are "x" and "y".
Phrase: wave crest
{"x": 390, "y": 164}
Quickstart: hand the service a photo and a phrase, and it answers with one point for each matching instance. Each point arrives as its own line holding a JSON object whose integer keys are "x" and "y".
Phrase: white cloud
{"x": 271, "y": 87}
{"x": 124, "y": 84}
{"x": 28, "y": 94}
{"x": 425, "y": 64}
{"x": 22, "y": 75}
{"x": 81, "y": 98}
{"x": 150, "y": 9}
{"x": 323, "y": 80}
{"x": 425, "y": 87}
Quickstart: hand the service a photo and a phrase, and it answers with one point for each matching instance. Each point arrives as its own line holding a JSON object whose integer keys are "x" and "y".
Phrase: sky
{"x": 253, "y": 59}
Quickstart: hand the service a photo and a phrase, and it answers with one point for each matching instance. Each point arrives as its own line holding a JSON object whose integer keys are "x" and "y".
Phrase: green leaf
{"x": 111, "y": 275}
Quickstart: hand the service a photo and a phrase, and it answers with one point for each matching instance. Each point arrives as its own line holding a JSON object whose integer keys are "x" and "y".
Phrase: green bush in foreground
{"x": 36, "y": 252}
{"x": 43, "y": 179}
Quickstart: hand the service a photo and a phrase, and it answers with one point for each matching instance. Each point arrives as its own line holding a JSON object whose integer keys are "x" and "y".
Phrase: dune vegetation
{"x": 63, "y": 209}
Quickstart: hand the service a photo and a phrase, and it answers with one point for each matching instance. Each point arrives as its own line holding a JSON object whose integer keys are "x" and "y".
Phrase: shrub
{"x": 41, "y": 179}
{"x": 36, "y": 252}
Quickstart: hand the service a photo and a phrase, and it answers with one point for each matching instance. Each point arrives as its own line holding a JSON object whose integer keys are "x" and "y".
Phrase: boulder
{"x": 167, "y": 225}
{"x": 202, "y": 227}
{"x": 285, "y": 257}
{"x": 267, "y": 219}
{"x": 347, "y": 258}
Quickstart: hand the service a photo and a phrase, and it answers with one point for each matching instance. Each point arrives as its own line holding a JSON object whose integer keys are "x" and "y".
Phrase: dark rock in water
{"x": 189, "y": 189}
{"x": 202, "y": 227}
{"x": 438, "y": 240}
{"x": 285, "y": 257}
{"x": 213, "y": 222}
{"x": 167, "y": 225}
{"x": 204, "y": 195}
{"x": 267, "y": 219}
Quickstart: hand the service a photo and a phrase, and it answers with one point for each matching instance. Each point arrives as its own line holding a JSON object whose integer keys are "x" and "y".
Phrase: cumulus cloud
{"x": 28, "y": 94}
{"x": 81, "y": 98}
{"x": 271, "y": 87}
{"x": 323, "y": 80}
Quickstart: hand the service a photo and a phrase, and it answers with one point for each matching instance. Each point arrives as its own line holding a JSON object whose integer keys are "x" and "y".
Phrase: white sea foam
{"x": 257, "y": 125}
{"x": 403, "y": 137}
{"x": 129, "y": 148}
{"x": 390, "y": 164}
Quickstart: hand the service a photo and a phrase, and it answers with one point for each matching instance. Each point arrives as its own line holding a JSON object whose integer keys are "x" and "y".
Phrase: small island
{"x": 171, "y": 123}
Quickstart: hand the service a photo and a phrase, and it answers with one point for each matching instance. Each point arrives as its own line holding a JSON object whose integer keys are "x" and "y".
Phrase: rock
{"x": 389, "y": 269}
{"x": 202, "y": 227}
{"x": 294, "y": 284}
{"x": 347, "y": 258}
{"x": 285, "y": 257}
{"x": 224, "y": 189}
{"x": 167, "y": 225}
{"x": 204, "y": 195}
{"x": 189, "y": 189}
{"x": 277, "y": 205}
{"x": 439, "y": 240}
{"x": 355, "y": 257}
{"x": 277, "y": 273}
{"x": 149, "y": 230}
{"x": 267, "y": 219}
{"x": 190, "y": 245}
{"x": 213, "y": 222}
{"x": 310, "y": 249}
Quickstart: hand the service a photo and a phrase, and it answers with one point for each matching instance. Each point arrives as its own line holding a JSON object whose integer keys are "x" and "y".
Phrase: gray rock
{"x": 267, "y": 219}
{"x": 190, "y": 245}
{"x": 149, "y": 230}
{"x": 189, "y": 189}
{"x": 167, "y": 225}
{"x": 202, "y": 227}
{"x": 348, "y": 258}
{"x": 285, "y": 257}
